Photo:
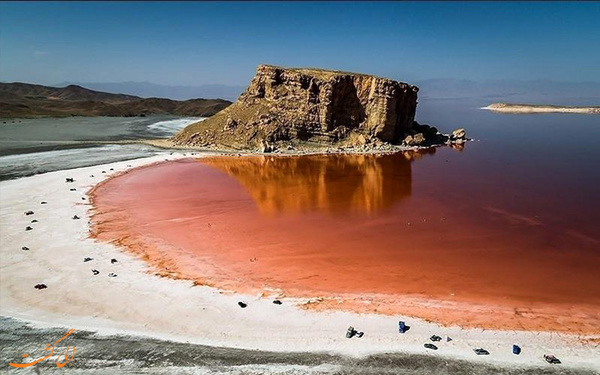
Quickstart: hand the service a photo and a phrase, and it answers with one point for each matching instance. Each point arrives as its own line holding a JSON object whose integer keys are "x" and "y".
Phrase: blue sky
{"x": 187, "y": 43}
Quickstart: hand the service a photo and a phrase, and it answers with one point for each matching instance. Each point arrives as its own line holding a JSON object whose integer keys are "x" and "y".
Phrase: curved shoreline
{"x": 134, "y": 301}
{"x": 203, "y": 262}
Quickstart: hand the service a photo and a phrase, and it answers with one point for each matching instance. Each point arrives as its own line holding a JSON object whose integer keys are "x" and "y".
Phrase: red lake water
{"x": 504, "y": 233}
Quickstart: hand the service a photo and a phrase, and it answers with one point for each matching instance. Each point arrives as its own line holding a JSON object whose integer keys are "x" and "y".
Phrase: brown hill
{"x": 287, "y": 105}
{"x": 28, "y": 100}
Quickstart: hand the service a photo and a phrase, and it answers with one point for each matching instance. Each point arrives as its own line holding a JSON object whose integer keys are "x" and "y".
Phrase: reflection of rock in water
{"x": 332, "y": 183}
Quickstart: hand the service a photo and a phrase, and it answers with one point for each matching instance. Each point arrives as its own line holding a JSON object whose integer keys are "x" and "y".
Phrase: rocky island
{"x": 285, "y": 108}
{"x": 534, "y": 108}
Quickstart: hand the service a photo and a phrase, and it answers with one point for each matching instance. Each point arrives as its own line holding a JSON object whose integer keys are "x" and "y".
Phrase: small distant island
{"x": 534, "y": 108}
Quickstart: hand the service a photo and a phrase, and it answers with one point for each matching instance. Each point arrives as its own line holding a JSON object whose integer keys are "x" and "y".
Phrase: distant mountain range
{"x": 28, "y": 100}
{"x": 542, "y": 91}
{"x": 148, "y": 89}
{"x": 142, "y": 98}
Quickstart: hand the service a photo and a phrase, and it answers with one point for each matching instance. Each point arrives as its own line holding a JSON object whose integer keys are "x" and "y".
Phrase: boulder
{"x": 458, "y": 134}
{"x": 230, "y": 124}
{"x": 419, "y": 139}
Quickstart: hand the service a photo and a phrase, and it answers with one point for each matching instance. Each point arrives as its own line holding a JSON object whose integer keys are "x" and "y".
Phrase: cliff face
{"x": 309, "y": 105}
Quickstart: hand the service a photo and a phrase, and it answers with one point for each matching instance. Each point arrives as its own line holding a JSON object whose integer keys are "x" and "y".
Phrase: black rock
{"x": 277, "y": 302}
{"x": 431, "y": 346}
{"x": 435, "y": 338}
{"x": 87, "y": 259}
{"x": 29, "y": 213}
{"x": 28, "y": 228}
{"x": 24, "y": 248}
{"x": 40, "y": 286}
{"x": 480, "y": 351}
{"x": 242, "y": 305}
{"x": 95, "y": 272}
{"x": 69, "y": 179}
{"x": 350, "y": 332}
{"x": 73, "y": 189}
{"x": 44, "y": 203}
{"x": 34, "y": 221}
{"x": 113, "y": 261}
{"x": 112, "y": 274}
{"x": 552, "y": 359}
{"x": 75, "y": 217}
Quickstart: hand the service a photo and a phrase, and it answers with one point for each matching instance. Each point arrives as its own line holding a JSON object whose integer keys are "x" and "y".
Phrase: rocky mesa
{"x": 284, "y": 107}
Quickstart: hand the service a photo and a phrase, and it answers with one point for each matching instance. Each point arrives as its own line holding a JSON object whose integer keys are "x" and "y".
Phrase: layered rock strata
{"x": 313, "y": 106}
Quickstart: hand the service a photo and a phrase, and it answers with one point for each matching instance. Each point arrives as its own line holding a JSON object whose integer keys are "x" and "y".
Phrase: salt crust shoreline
{"x": 136, "y": 302}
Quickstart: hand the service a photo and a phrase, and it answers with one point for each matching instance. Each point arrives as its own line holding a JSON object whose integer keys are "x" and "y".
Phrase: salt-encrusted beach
{"x": 140, "y": 303}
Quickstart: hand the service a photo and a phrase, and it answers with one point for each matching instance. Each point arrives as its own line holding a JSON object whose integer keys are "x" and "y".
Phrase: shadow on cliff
{"x": 335, "y": 184}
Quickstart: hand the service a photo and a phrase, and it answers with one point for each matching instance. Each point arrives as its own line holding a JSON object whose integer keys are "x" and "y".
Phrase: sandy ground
{"x": 136, "y": 302}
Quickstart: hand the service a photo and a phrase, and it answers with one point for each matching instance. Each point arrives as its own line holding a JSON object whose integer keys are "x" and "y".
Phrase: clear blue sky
{"x": 188, "y": 43}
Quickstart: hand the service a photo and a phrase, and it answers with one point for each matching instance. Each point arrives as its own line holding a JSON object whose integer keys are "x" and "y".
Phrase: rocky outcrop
{"x": 313, "y": 106}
